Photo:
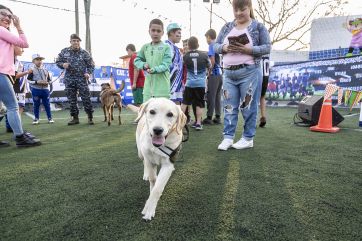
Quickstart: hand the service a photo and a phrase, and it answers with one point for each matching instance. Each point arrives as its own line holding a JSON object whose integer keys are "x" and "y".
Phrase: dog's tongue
{"x": 158, "y": 140}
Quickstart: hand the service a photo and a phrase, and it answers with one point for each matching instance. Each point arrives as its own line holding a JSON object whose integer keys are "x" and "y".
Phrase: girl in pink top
{"x": 7, "y": 70}
{"x": 242, "y": 43}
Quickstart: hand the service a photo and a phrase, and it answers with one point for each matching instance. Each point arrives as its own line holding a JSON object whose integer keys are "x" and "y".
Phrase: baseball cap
{"x": 172, "y": 26}
{"x": 75, "y": 36}
{"x": 36, "y": 56}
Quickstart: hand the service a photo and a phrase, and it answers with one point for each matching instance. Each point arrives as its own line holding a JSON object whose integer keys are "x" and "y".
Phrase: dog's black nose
{"x": 157, "y": 130}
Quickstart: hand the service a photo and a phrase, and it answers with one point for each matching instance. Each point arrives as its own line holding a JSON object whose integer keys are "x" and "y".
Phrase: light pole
{"x": 189, "y": 12}
{"x": 211, "y": 3}
{"x": 76, "y": 18}
{"x": 210, "y": 14}
{"x": 190, "y": 15}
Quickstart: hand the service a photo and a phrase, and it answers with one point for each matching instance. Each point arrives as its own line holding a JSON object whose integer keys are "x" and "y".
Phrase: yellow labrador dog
{"x": 158, "y": 137}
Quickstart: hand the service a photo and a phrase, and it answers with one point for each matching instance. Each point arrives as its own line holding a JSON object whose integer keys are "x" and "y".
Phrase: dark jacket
{"x": 80, "y": 63}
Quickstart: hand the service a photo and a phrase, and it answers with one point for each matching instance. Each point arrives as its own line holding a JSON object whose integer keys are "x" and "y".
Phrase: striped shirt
{"x": 176, "y": 70}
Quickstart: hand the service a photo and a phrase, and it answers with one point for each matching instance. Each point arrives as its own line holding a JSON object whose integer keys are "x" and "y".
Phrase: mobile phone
{"x": 243, "y": 39}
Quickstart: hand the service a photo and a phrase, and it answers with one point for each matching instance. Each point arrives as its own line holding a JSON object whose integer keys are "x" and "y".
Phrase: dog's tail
{"x": 119, "y": 90}
{"x": 133, "y": 108}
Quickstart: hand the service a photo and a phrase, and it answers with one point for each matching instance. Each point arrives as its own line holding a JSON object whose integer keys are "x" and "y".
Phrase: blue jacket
{"x": 258, "y": 33}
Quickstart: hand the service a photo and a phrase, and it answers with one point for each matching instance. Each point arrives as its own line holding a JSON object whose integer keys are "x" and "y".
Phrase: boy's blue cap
{"x": 172, "y": 26}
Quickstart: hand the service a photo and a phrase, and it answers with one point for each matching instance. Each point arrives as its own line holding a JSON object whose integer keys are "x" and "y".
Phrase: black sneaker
{"x": 198, "y": 127}
{"x": 27, "y": 140}
{"x": 29, "y": 134}
{"x": 207, "y": 121}
{"x": 4, "y": 144}
{"x": 216, "y": 121}
{"x": 193, "y": 125}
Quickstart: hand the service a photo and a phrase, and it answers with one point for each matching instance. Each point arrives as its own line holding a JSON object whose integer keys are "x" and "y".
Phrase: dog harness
{"x": 174, "y": 153}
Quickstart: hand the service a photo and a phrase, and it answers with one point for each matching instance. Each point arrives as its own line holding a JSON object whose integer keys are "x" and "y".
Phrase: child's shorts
{"x": 194, "y": 96}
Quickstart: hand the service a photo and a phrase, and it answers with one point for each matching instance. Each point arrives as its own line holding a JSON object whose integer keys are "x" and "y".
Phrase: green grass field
{"x": 85, "y": 183}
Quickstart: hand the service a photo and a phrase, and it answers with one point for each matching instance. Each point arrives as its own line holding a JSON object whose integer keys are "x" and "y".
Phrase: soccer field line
{"x": 351, "y": 115}
{"x": 351, "y": 129}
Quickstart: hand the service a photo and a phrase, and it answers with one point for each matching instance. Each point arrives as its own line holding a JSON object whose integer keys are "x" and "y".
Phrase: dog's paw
{"x": 146, "y": 177}
{"x": 149, "y": 210}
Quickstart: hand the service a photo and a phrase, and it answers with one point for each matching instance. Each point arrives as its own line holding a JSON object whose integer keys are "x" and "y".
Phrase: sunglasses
{"x": 7, "y": 15}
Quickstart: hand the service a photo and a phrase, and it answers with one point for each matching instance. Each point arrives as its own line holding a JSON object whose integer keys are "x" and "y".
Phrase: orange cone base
{"x": 321, "y": 129}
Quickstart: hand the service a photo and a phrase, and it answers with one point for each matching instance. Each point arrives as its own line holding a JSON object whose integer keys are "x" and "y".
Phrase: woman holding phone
{"x": 7, "y": 70}
{"x": 242, "y": 43}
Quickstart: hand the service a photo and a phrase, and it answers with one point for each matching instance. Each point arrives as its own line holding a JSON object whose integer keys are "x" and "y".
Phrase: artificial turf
{"x": 85, "y": 183}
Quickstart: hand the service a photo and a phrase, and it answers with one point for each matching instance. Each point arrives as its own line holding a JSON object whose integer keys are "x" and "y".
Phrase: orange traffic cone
{"x": 325, "y": 119}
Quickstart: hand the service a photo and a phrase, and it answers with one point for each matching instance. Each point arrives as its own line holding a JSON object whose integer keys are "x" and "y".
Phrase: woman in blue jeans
{"x": 242, "y": 42}
{"x": 7, "y": 69}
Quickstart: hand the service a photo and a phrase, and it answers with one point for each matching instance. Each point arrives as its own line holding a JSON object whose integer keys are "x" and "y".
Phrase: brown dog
{"x": 109, "y": 97}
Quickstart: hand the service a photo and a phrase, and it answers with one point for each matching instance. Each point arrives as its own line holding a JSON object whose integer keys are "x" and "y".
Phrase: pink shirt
{"x": 237, "y": 58}
{"x": 7, "y": 42}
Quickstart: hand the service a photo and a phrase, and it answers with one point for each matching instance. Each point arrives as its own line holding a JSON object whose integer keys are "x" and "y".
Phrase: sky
{"x": 116, "y": 23}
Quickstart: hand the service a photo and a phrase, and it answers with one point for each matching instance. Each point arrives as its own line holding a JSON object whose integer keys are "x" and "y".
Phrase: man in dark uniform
{"x": 79, "y": 67}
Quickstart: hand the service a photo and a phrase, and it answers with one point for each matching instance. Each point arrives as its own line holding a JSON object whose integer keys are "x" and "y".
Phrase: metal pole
{"x": 87, "y": 4}
{"x": 210, "y": 14}
{"x": 190, "y": 15}
{"x": 76, "y": 17}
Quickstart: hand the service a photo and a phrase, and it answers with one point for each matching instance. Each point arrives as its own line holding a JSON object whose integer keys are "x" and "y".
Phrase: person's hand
{"x": 147, "y": 68}
{"x": 239, "y": 48}
{"x": 225, "y": 48}
{"x": 86, "y": 76}
{"x": 30, "y": 71}
{"x": 16, "y": 22}
{"x": 134, "y": 86}
{"x": 66, "y": 65}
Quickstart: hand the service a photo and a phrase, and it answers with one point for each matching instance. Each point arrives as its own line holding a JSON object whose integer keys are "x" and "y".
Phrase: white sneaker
{"x": 35, "y": 122}
{"x": 225, "y": 144}
{"x": 51, "y": 121}
{"x": 243, "y": 144}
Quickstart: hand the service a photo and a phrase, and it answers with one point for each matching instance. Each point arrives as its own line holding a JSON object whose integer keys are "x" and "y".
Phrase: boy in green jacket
{"x": 155, "y": 59}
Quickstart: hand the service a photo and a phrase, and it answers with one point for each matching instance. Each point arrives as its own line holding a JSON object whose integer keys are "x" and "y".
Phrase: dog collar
{"x": 171, "y": 153}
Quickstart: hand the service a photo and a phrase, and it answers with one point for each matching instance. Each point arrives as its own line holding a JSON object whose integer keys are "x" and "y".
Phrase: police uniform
{"x": 80, "y": 63}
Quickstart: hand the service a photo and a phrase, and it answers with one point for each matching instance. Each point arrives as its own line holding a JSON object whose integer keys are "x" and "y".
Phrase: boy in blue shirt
{"x": 197, "y": 64}
{"x": 214, "y": 83}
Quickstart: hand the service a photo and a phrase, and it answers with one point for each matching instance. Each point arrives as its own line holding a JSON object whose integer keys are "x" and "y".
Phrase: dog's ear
{"x": 181, "y": 120}
{"x": 142, "y": 110}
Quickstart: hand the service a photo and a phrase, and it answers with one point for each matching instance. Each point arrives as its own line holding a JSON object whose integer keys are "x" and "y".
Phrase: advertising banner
{"x": 102, "y": 74}
{"x": 293, "y": 81}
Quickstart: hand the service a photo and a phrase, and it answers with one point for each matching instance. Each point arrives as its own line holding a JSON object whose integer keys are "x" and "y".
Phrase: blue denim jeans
{"x": 41, "y": 96}
{"x": 7, "y": 96}
{"x": 241, "y": 91}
